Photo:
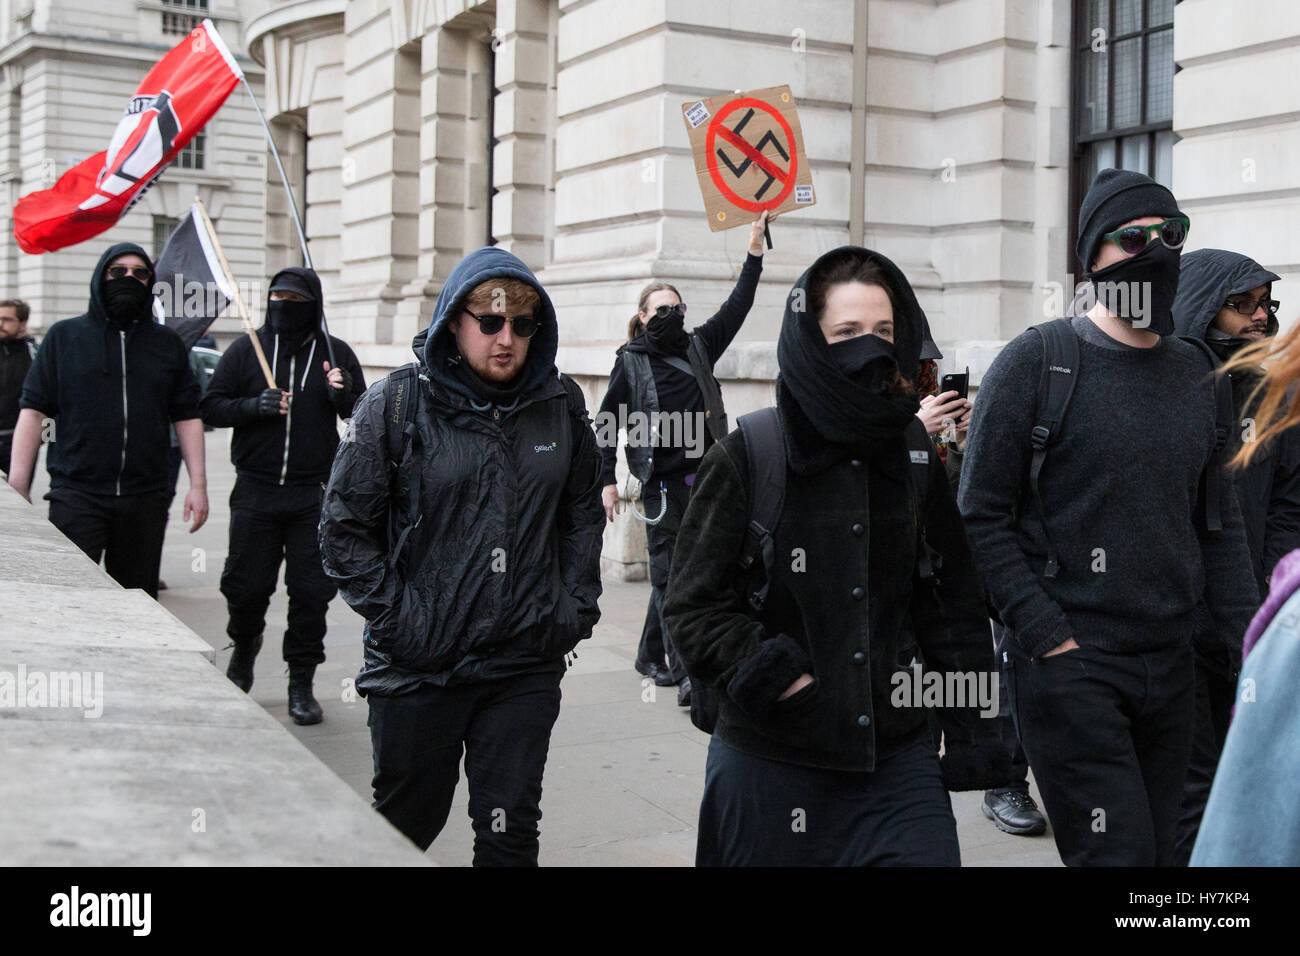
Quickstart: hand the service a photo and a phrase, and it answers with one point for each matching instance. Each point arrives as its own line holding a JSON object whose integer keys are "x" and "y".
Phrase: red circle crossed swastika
{"x": 785, "y": 177}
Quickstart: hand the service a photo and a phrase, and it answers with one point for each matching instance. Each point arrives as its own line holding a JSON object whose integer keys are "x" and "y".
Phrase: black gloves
{"x": 268, "y": 403}
{"x": 342, "y": 397}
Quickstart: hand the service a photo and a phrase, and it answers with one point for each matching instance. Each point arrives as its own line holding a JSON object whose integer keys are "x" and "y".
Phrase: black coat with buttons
{"x": 846, "y": 606}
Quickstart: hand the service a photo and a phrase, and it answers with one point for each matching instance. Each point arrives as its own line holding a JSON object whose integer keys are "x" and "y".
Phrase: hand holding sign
{"x": 749, "y": 155}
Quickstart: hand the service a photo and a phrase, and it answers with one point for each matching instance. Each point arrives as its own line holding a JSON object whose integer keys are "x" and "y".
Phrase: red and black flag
{"x": 177, "y": 98}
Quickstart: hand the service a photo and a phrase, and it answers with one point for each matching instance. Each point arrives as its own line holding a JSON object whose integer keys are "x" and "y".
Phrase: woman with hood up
{"x": 821, "y": 753}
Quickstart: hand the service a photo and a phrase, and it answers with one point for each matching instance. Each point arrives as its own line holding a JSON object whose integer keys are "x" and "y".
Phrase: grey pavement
{"x": 626, "y": 768}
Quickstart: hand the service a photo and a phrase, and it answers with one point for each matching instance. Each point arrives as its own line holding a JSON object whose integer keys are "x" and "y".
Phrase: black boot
{"x": 302, "y": 705}
{"x": 240, "y": 669}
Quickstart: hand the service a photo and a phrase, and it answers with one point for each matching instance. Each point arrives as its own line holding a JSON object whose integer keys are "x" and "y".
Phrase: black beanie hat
{"x": 1116, "y": 197}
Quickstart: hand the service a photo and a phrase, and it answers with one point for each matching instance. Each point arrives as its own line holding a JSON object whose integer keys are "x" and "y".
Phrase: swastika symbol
{"x": 777, "y": 140}
{"x": 753, "y": 154}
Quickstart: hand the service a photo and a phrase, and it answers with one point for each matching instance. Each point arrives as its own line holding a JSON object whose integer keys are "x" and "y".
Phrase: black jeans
{"x": 125, "y": 530}
{"x": 504, "y": 728}
{"x": 1006, "y": 724}
{"x": 267, "y": 523}
{"x": 759, "y": 812}
{"x": 656, "y": 645}
{"x": 1108, "y": 737}
{"x": 1216, "y": 687}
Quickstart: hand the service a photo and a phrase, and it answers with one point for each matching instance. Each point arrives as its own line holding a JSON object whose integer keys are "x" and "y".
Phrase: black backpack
{"x": 767, "y": 469}
{"x": 1060, "y": 371}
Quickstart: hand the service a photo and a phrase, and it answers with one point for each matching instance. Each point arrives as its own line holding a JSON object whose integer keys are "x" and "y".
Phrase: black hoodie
{"x": 259, "y": 447}
{"x": 112, "y": 395}
{"x": 1269, "y": 488}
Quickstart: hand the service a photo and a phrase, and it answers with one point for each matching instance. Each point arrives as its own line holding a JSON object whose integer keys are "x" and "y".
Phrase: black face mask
{"x": 126, "y": 301}
{"x": 668, "y": 335}
{"x": 867, "y": 360}
{"x": 1141, "y": 289}
{"x": 291, "y": 319}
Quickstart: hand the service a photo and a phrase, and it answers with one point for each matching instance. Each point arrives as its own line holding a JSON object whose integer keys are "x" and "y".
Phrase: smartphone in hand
{"x": 953, "y": 382}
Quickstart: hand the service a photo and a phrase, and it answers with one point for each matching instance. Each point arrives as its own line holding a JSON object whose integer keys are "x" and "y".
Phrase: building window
{"x": 181, "y": 23}
{"x": 1124, "y": 90}
{"x": 192, "y": 155}
{"x": 163, "y": 227}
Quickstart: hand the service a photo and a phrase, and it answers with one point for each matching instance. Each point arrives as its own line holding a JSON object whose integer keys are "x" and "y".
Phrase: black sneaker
{"x": 1014, "y": 811}
{"x": 684, "y": 693}
{"x": 656, "y": 672}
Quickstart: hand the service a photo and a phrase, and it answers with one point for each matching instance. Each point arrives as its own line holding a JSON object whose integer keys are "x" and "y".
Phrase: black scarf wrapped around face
{"x": 667, "y": 336}
{"x": 848, "y": 410}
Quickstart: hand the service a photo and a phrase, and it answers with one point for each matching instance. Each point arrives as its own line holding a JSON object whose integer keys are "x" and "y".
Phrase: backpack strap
{"x": 766, "y": 454}
{"x": 715, "y": 416}
{"x": 401, "y": 402}
{"x": 919, "y": 449}
{"x": 1223, "y": 416}
{"x": 1060, "y": 371}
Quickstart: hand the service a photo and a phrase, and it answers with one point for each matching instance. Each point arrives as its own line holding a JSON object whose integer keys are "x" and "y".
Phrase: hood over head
{"x": 97, "y": 308}
{"x": 841, "y": 409}
{"x": 1207, "y": 278}
{"x": 436, "y": 345}
{"x": 304, "y": 282}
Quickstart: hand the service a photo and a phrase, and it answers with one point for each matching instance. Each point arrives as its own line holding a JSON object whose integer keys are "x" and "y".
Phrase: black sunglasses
{"x": 135, "y": 272}
{"x": 664, "y": 311}
{"x": 1247, "y": 308}
{"x": 1133, "y": 239}
{"x": 522, "y": 325}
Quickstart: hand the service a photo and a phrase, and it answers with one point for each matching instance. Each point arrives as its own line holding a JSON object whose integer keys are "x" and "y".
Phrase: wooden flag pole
{"x": 239, "y": 299}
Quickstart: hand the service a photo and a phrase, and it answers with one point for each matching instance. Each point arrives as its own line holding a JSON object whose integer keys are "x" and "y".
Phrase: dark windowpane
{"x": 1128, "y": 16}
{"x": 1164, "y": 164}
{"x": 1128, "y": 80}
{"x": 1134, "y": 153}
{"x": 1160, "y": 76}
{"x": 1095, "y": 92}
{"x": 1098, "y": 156}
{"x": 1160, "y": 12}
{"x": 1096, "y": 16}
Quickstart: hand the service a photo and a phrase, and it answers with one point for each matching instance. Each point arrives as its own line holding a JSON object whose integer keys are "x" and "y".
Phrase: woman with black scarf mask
{"x": 822, "y": 752}
{"x": 655, "y": 372}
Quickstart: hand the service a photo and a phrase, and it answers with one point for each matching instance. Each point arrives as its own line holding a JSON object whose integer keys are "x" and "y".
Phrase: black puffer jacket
{"x": 846, "y": 605}
{"x": 1268, "y": 490}
{"x": 502, "y": 574}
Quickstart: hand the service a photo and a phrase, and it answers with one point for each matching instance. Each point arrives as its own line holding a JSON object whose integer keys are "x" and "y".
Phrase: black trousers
{"x": 1216, "y": 688}
{"x": 759, "y": 812}
{"x": 1108, "y": 737}
{"x": 269, "y": 523}
{"x": 656, "y": 645}
{"x": 126, "y": 531}
{"x": 1006, "y": 724}
{"x": 504, "y": 729}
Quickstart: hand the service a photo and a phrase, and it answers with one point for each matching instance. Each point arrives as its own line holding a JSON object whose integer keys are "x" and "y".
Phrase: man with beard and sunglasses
{"x": 102, "y": 390}
{"x": 1099, "y": 575}
{"x": 462, "y": 521}
{"x": 1225, "y": 299}
{"x": 283, "y": 445}
{"x": 667, "y": 372}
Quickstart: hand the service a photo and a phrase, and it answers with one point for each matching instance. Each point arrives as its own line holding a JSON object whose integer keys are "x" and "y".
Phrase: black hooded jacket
{"x": 112, "y": 395}
{"x": 501, "y": 575}
{"x": 1268, "y": 489}
{"x": 846, "y": 604}
{"x": 259, "y": 447}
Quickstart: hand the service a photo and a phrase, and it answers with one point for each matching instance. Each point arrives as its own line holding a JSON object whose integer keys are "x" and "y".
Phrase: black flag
{"x": 191, "y": 286}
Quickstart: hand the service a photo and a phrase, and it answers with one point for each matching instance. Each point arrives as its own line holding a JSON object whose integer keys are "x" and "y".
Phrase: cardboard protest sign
{"x": 749, "y": 155}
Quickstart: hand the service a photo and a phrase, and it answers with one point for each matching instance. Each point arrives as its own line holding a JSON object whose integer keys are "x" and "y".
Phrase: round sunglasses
{"x": 492, "y": 323}
{"x": 664, "y": 311}
{"x": 1133, "y": 239}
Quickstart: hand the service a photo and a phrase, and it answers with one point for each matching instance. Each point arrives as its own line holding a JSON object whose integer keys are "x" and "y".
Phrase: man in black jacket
{"x": 17, "y": 350}
{"x": 283, "y": 444}
{"x": 472, "y": 604}
{"x": 1099, "y": 659}
{"x": 1225, "y": 299}
{"x": 103, "y": 389}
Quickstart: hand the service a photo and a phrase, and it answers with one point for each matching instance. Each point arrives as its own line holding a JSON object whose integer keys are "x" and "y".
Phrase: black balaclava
{"x": 667, "y": 336}
{"x": 293, "y": 321}
{"x": 851, "y": 409}
{"x": 127, "y": 301}
{"x": 1140, "y": 289}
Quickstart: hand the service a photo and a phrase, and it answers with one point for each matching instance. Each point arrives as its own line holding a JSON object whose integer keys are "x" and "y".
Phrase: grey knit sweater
{"x": 1121, "y": 495}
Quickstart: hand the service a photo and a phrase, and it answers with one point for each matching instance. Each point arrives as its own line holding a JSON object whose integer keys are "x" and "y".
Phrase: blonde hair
{"x": 1280, "y": 358}
{"x": 501, "y": 295}
{"x": 635, "y": 325}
